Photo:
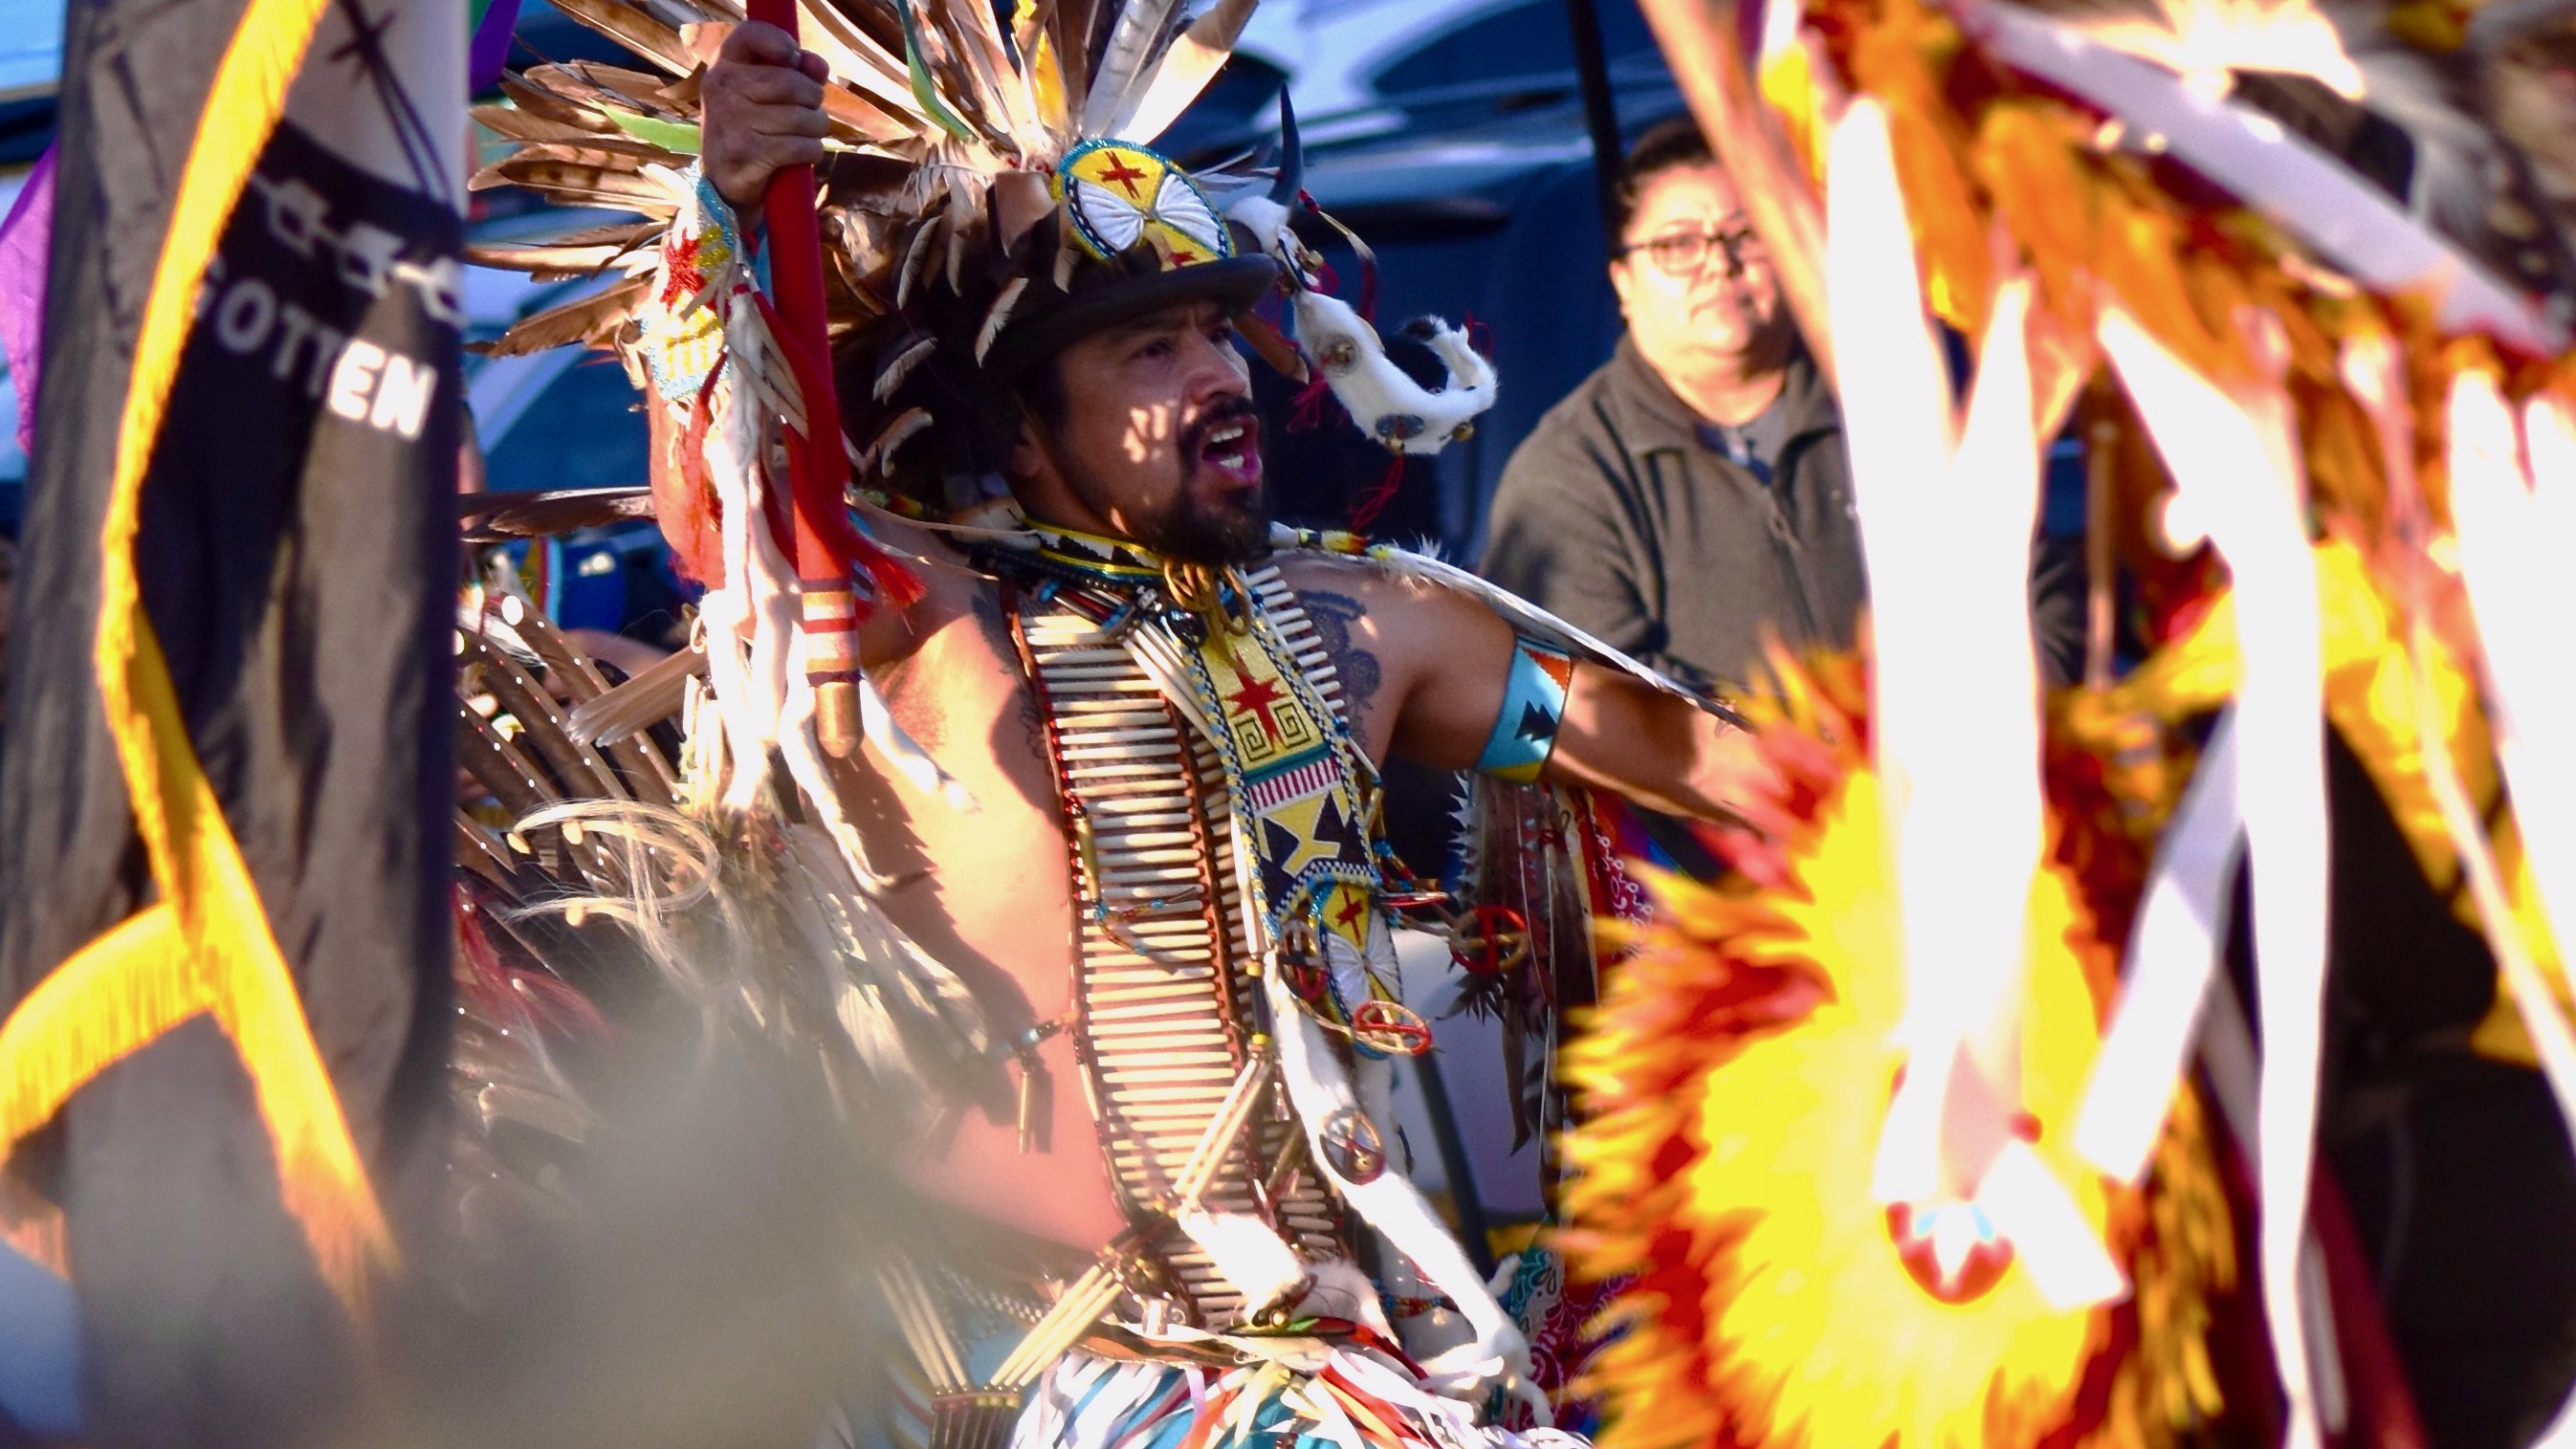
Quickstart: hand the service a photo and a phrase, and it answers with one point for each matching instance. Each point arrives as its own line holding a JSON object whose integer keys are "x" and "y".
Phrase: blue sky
{"x": 31, "y": 43}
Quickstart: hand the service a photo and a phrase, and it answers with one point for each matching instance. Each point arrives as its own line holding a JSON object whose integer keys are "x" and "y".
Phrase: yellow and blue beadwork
{"x": 1120, "y": 195}
{"x": 1533, "y": 708}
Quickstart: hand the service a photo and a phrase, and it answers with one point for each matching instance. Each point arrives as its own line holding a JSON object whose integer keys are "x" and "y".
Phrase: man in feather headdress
{"x": 1237, "y": 779}
{"x": 1110, "y": 904}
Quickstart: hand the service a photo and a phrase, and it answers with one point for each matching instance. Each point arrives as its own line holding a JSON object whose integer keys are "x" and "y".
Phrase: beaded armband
{"x": 1533, "y": 704}
{"x": 682, "y": 345}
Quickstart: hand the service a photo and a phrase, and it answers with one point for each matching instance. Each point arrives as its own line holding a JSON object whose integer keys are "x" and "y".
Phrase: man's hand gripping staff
{"x": 828, "y": 551}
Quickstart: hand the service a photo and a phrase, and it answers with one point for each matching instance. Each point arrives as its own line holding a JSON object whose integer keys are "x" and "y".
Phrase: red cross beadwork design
{"x": 684, "y": 281}
{"x": 1125, "y": 175}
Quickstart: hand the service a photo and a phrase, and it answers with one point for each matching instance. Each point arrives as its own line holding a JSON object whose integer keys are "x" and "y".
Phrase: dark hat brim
{"x": 1237, "y": 281}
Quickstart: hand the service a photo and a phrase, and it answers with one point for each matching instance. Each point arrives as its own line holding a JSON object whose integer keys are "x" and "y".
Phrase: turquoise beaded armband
{"x": 1533, "y": 705}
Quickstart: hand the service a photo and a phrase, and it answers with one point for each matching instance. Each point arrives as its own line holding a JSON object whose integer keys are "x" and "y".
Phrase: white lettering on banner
{"x": 370, "y": 259}
{"x": 402, "y": 397}
{"x": 294, "y": 325}
{"x": 354, "y": 379}
{"x": 389, "y": 392}
{"x": 242, "y": 322}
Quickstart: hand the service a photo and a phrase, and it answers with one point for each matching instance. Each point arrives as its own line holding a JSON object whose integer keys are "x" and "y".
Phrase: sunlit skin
{"x": 1157, "y": 444}
{"x": 1719, "y": 334}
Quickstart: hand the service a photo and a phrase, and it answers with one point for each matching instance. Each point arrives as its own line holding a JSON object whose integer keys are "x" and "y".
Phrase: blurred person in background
{"x": 1693, "y": 492}
{"x": 1692, "y": 498}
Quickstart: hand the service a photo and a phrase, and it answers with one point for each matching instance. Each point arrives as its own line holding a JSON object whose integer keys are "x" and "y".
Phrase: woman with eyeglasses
{"x": 1691, "y": 496}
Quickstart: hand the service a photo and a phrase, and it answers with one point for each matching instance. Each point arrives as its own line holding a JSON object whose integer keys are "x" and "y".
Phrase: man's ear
{"x": 1029, "y": 461}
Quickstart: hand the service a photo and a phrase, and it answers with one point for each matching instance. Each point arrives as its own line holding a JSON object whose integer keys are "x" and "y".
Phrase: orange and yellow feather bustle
{"x": 1735, "y": 1082}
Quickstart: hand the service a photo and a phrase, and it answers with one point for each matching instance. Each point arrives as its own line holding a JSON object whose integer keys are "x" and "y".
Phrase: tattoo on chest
{"x": 1334, "y": 615}
{"x": 997, "y": 631}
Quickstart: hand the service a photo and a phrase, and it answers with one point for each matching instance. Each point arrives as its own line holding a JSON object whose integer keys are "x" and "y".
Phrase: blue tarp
{"x": 39, "y": 1350}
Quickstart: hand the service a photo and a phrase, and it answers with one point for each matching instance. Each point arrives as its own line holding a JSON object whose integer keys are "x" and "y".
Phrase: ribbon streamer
{"x": 2235, "y": 461}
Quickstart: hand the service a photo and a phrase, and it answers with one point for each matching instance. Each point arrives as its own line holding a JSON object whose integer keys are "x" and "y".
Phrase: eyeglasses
{"x": 1683, "y": 253}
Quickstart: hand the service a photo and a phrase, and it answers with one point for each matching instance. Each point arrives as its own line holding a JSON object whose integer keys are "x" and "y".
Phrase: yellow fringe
{"x": 208, "y": 947}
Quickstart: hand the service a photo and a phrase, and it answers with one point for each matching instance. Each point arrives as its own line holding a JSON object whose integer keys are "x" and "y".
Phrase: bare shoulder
{"x": 952, "y": 588}
{"x": 1371, "y": 581}
{"x": 1395, "y": 596}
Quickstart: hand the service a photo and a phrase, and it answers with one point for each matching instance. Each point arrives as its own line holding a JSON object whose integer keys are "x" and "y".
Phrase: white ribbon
{"x": 2517, "y": 535}
{"x": 2235, "y": 461}
{"x": 2174, "y": 947}
{"x": 1946, "y": 520}
{"x": 2512, "y": 539}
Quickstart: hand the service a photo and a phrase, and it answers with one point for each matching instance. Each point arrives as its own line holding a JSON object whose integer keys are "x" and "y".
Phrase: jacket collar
{"x": 1658, "y": 418}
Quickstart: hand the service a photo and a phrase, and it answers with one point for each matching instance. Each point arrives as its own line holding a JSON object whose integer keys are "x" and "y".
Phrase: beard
{"x": 1181, "y": 528}
{"x": 1230, "y": 533}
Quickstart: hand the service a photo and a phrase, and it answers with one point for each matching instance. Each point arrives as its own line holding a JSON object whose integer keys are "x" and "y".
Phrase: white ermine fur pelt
{"x": 1386, "y": 404}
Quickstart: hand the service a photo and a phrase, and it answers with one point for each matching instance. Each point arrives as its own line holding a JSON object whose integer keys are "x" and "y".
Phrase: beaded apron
{"x": 1165, "y": 998}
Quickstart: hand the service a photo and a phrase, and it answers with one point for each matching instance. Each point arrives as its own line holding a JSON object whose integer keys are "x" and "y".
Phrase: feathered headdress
{"x": 988, "y": 195}
{"x": 991, "y": 193}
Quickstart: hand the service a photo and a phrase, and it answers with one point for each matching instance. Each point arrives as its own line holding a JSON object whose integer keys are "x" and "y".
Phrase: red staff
{"x": 826, "y": 548}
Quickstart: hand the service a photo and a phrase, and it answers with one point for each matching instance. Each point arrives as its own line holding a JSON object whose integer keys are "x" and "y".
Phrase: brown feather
{"x": 896, "y": 434}
{"x": 975, "y": 49}
{"x": 592, "y": 320}
{"x": 900, "y": 366}
{"x": 629, "y": 26}
{"x": 998, "y": 317}
{"x": 1156, "y": 101}
{"x": 860, "y": 61}
{"x": 1136, "y": 43}
{"x": 961, "y": 220}
{"x": 536, "y": 97}
{"x": 1271, "y": 346}
{"x": 641, "y": 92}
{"x": 687, "y": 95}
{"x": 859, "y": 119}
{"x": 545, "y": 261}
{"x": 1077, "y": 22}
{"x": 877, "y": 18}
{"x": 570, "y": 180}
{"x": 1020, "y": 201}
{"x": 915, "y": 253}
{"x": 520, "y": 124}
{"x": 616, "y": 233}
{"x": 603, "y": 152}
{"x": 492, "y": 517}
{"x": 1024, "y": 37}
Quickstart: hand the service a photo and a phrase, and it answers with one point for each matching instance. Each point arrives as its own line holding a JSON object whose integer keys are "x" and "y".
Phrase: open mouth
{"x": 1232, "y": 449}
